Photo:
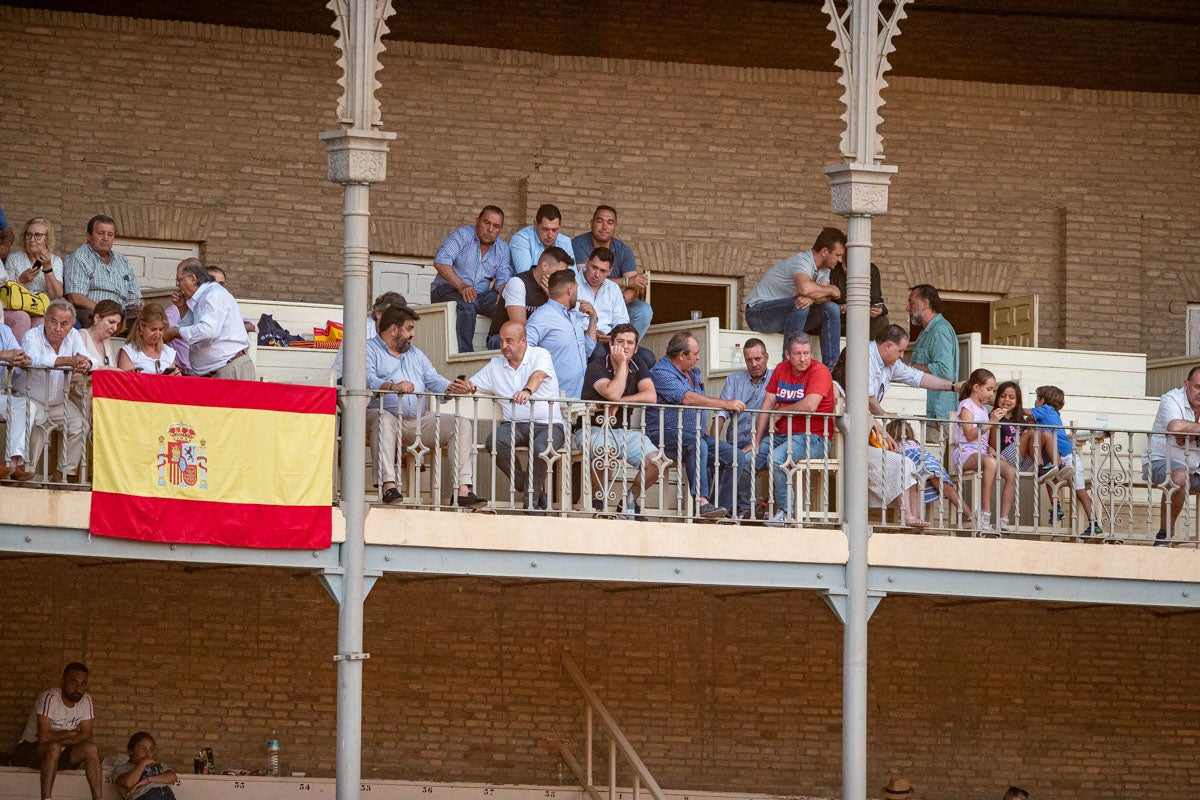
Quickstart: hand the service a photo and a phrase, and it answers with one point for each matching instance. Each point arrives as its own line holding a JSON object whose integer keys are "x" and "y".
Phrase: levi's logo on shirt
{"x": 790, "y": 394}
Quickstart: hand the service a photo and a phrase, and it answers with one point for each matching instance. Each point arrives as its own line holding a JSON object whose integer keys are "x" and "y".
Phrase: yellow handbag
{"x": 15, "y": 297}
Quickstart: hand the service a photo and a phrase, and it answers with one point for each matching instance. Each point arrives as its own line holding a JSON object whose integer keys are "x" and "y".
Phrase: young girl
{"x": 143, "y": 778}
{"x": 937, "y": 479}
{"x": 145, "y": 351}
{"x": 971, "y": 451}
{"x": 1015, "y": 445}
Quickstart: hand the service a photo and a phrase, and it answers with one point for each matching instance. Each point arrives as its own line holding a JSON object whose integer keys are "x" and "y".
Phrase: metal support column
{"x": 858, "y": 189}
{"x": 357, "y": 158}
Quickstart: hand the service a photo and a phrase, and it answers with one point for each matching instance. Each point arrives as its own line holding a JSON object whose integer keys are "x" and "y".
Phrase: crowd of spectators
{"x": 60, "y": 319}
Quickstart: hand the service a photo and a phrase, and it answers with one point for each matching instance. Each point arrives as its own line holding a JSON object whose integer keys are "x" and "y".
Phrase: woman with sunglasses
{"x": 35, "y": 267}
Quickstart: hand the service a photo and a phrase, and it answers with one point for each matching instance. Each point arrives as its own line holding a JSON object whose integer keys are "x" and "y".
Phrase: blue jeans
{"x": 698, "y": 464}
{"x": 782, "y": 316}
{"x": 781, "y": 452}
{"x": 640, "y": 314}
{"x": 485, "y": 303}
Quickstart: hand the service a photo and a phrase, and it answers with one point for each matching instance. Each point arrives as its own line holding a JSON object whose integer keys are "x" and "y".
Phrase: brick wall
{"x": 1085, "y": 197}
{"x": 739, "y": 692}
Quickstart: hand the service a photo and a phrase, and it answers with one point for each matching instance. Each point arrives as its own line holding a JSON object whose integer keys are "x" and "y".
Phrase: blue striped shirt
{"x": 461, "y": 251}
{"x": 554, "y": 327}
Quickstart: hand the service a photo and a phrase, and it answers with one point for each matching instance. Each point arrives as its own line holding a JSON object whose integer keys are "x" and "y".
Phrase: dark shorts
{"x": 26, "y": 755}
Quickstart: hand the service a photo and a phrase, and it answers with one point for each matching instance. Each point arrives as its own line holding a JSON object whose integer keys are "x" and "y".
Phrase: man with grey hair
{"x": 52, "y": 346}
{"x": 211, "y": 324}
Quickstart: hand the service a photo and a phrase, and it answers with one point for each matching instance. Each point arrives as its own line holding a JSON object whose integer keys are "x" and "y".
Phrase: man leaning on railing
{"x": 523, "y": 378}
{"x": 401, "y": 371}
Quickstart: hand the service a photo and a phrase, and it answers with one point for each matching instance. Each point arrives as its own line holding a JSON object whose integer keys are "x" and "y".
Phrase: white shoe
{"x": 779, "y": 520}
{"x": 983, "y": 522}
{"x": 1005, "y": 526}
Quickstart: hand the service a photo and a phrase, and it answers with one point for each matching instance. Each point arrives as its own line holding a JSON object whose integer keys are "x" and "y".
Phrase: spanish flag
{"x": 208, "y": 461}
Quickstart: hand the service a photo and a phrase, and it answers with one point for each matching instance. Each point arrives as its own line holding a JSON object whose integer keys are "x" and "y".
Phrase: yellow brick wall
{"x": 719, "y": 689}
{"x": 1087, "y": 198}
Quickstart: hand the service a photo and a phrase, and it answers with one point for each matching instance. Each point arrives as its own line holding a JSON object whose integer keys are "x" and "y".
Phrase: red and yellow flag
{"x": 207, "y": 461}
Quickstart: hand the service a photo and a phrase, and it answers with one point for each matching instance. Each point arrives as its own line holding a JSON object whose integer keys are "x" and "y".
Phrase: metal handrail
{"x": 616, "y": 742}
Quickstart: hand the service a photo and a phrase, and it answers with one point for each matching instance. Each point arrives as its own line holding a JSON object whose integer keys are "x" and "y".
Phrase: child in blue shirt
{"x": 1050, "y": 400}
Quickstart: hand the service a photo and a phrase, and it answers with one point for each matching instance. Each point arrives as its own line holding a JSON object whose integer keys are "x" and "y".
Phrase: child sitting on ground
{"x": 1054, "y": 438}
{"x": 937, "y": 479}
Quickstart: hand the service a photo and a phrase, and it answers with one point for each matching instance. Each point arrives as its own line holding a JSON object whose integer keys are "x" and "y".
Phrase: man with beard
{"x": 398, "y": 371}
{"x": 58, "y": 734}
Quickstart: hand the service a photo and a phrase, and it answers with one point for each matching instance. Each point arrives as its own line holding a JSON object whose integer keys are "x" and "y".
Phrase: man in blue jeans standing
{"x": 795, "y": 295}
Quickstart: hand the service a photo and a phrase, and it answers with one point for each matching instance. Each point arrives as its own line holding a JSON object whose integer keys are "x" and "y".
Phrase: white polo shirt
{"x": 498, "y": 377}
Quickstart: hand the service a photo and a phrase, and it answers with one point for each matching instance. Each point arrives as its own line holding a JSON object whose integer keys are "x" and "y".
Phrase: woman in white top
{"x": 100, "y": 348}
{"x": 146, "y": 351}
{"x": 97, "y": 337}
{"x": 35, "y": 267}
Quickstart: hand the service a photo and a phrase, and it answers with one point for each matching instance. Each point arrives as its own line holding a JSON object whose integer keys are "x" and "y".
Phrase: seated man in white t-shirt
{"x": 523, "y": 380}
{"x": 58, "y": 734}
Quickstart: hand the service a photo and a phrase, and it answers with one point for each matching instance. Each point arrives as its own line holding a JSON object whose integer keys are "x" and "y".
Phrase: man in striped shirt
{"x": 58, "y": 734}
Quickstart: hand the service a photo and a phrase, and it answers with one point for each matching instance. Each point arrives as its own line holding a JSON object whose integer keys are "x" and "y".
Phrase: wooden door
{"x": 1014, "y": 321}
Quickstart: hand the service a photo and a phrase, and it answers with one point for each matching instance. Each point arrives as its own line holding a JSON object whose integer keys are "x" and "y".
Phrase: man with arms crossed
{"x": 58, "y": 734}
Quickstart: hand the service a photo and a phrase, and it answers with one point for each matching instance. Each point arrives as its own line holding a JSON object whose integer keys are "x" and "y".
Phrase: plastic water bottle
{"x": 273, "y": 757}
{"x": 739, "y": 360}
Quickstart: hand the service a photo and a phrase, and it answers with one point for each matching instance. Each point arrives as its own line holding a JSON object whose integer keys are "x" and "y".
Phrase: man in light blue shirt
{"x": 604, "y": 295}
{"x": 624, "y": 266}
{"x": 472, "y": 266}
{"x": 750, "y": 386}
{"x": 397, "y": 417}
{"x": 795, "y": 295}
{"x": 936, "y": 348}
{"x": 527, "y": 245}
{"x": 569, "y": 335}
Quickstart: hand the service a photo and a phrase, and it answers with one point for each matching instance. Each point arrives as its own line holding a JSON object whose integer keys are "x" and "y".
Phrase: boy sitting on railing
{"x": 1054, "y": 438}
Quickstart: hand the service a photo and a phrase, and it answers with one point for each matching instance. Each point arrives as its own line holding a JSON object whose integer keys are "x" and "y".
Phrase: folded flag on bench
{"x": 208, "y": 461}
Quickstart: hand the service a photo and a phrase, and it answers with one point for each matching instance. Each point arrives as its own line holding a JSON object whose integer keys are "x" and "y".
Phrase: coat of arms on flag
{"x": 180, "y": 460}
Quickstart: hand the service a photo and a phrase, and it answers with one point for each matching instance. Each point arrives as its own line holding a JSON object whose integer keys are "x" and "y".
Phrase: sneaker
{"x": 779, "y": 520}
{"x": 392, "y": 496}
{"x": 1093, "y": 530}
{"x": 469, "y": 500}
{"x": 1161, "y": 539}
{"x": 709, "y": 511}
{"x": 983, "y": 522}
{"x": 1005, "y": 526}
{"x": 1059, "y": 513}
{"x": 1047, "y": 472}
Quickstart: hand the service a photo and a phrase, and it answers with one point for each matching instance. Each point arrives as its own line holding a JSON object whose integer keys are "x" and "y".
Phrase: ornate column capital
{"x": 357, "y": 156}
{"x": 859, "y": 189}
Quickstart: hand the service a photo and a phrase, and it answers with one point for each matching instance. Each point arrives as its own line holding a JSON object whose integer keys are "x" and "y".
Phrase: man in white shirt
{"x": 58, "y": 734}
{"x": 57, "y": 349}
{"x": 523, "y": 380}
{"x": 1172, "y": 461}
{"x": 885, "y": 366}
{"x": 211, "y": 325}
{"x": 604, "y": 295}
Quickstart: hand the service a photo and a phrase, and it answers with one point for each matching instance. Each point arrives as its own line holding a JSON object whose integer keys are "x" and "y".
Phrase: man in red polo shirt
{"x": 801, "y": 387}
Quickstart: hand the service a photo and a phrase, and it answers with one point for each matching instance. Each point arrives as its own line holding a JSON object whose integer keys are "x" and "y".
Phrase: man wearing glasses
{"x": 211, "y": 324}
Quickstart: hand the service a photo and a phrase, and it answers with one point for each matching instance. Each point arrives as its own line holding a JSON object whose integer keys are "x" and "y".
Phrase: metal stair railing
{"x": 616, "y": 742}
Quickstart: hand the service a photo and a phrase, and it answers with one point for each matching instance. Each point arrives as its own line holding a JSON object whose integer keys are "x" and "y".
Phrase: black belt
{"x": 213, "y": 374}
